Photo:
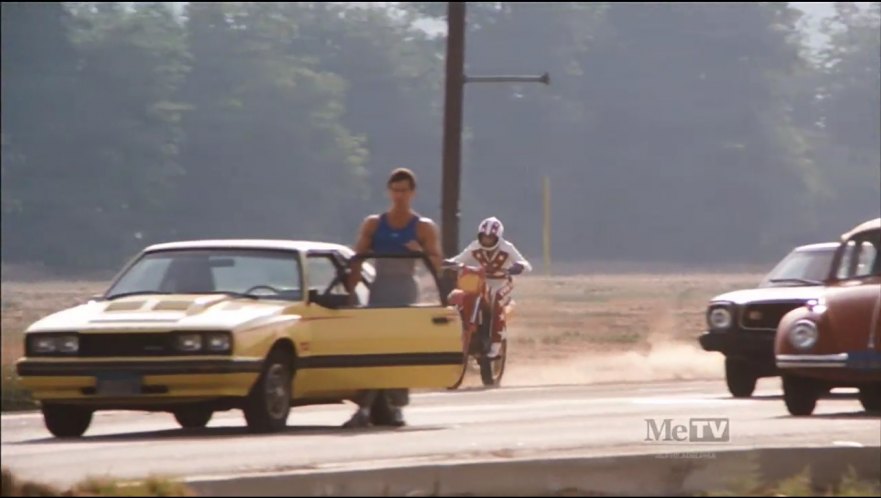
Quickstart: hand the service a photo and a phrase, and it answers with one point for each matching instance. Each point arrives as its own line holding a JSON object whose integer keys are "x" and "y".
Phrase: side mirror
{"x": 95, "y": 297}
{"x": 313, "y": 295}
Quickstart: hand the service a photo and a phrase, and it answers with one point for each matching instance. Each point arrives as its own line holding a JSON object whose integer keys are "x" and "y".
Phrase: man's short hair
{"x": 402, "y": 174}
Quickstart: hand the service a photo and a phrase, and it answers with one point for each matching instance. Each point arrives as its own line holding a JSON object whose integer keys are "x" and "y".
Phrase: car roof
{"x": 274, "y": 244}
{"x": 818, "y": 247}
{"x": 862, "y": 227}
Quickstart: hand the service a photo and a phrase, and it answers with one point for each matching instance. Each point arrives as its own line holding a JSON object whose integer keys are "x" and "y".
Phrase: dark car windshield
{"x": 801, "y": 268}
{"x": 253, "y": 272}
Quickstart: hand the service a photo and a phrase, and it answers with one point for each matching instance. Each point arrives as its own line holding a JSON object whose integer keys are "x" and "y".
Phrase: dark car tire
{"x": 268, "y": 404}
{"x": 193, "y": 417}
{"x": 740, "y": 377}
{"x": 870, "y": 397}
{"x": 800, "y": 394}
{"x": 66, "y": 421}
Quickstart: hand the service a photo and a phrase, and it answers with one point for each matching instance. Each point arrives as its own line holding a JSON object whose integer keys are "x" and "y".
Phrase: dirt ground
{"x": 565, "y": 329}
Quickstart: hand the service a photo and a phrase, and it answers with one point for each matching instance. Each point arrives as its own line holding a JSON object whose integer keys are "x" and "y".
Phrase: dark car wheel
{"x": 193, "y": 417}
{"x": 870, "y": 397}
{"x": 66, "y": 421}
{"x": 740, "y": 377}
{"x": 269, "y": 402}
{"x": 800, "y": 394}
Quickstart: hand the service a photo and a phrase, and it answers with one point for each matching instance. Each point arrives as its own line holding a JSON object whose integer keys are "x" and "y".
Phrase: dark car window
{"x": 807, "y": 266}
{"x": 861, "y": 256}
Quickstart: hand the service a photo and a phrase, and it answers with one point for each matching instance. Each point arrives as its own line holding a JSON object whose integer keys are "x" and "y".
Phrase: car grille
{"x": 113, "y": 344}
{"x": 766, "y": 316}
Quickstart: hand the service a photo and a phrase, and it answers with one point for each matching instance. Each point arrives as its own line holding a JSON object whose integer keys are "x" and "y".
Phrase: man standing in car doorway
{"x": 399, "y": 230}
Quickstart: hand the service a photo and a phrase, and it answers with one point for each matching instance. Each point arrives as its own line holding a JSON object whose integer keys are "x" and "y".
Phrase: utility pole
{"x": 452, "y": 151}
{"x": 452, "y": 140}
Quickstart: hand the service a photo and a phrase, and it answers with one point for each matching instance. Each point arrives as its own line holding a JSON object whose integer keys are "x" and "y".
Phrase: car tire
{"x": 268, "y": 404}
{"x": 800, "y": 394}
{"x": 870, "y": 397}
{"x": 66, "y": 421}
{"x": 193, "y": 417}
{"x": 740, "y": 377}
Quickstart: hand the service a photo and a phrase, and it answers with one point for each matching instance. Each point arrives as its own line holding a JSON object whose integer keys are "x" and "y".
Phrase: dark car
{"x": 742, "y": 324}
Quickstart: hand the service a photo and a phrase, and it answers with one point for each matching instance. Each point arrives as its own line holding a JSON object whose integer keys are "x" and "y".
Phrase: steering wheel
{"x": 273, "y": 289}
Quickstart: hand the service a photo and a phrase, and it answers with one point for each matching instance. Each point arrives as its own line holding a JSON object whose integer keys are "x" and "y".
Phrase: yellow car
{"x": 258, "y": 325}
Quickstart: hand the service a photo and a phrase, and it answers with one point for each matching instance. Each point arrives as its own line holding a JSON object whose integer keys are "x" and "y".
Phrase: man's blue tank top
{"x": 387, "y": 240}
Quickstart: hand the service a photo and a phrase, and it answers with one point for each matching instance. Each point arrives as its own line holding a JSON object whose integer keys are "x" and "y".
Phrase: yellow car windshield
{"x": 257, "y": 273}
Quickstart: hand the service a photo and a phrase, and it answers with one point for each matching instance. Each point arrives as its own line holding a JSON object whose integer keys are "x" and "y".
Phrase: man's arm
{"x": 430, "y": 241}
{"x": 362, "y": 245}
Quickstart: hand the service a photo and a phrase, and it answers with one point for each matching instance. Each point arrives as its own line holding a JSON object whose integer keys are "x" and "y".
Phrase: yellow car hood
{"x": 185, "y": 311}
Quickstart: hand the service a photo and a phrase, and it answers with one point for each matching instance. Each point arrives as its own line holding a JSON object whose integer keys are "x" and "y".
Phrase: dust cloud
{"x": 664, "y": 361}
{"x": 662, "y": 356}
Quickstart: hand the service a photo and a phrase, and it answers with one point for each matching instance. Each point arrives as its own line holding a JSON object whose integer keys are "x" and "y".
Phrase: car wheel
{"x": 800, "y": 394}
{"x": 740, "y": 377}
{"x": 870, "y": 397}
{"x": 269, "y": 402}
{"x": 66, "y": 421}
{"x": 193, "y": 417}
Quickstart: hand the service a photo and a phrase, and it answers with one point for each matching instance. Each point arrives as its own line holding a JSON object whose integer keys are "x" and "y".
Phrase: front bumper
{"x": 78, "y": 379}
{"x": 750, "y": 344}
{"x": 858, "y": 361}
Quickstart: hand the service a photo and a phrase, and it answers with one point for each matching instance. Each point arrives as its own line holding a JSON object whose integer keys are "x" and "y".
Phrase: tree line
{"x": 689, "y": 132}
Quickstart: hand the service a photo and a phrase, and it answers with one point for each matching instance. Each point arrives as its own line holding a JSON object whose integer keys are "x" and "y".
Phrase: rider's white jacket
{"x": 495, "y": 261}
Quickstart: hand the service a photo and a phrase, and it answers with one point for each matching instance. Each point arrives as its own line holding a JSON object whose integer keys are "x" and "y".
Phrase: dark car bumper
{"x": 750, "y": 344}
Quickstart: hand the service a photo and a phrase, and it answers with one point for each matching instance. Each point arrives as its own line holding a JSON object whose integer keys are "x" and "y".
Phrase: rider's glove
{"x": 516, "y": 269}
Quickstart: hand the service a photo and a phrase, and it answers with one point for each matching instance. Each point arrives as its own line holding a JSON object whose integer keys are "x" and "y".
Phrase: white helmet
{"x": 491, "y": 227}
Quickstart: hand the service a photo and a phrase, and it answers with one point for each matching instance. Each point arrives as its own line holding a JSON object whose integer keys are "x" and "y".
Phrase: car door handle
{"x": 440, "y": 320}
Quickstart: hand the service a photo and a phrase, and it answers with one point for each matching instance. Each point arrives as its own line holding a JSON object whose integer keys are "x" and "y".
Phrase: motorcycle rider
{"x": 499, "y": 258}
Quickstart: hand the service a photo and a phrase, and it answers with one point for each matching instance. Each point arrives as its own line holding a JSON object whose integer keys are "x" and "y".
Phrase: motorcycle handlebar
{"x": 451, "y": 265}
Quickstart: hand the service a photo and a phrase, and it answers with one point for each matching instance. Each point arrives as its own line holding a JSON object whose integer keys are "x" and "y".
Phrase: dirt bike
{"x": 474, "y": 301}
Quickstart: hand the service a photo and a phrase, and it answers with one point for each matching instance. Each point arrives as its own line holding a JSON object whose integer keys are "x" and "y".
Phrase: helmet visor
{"x": 487, "y": 240}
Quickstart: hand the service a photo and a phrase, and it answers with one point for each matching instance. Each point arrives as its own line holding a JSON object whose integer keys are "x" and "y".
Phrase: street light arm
{"x": 544, "y": 78}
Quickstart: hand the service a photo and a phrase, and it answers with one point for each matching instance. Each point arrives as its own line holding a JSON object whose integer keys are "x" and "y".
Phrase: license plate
{"x": 118, "y": 384}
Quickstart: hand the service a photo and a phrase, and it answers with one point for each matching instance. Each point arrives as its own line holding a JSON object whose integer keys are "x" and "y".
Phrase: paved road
{"x": 501, "y": 423}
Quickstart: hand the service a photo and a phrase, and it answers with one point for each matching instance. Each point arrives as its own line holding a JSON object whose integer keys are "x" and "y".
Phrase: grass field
{"x": 565, "y": 329}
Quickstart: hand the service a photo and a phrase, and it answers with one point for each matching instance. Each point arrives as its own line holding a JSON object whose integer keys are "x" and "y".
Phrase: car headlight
{"x": 803, "y": 335}
{"x": 69, "y": 344}
{"x": 719, "y": 318}
{"x": 189, "y": 342}
{"x": 42, "y": 344}
{"x": 219, "y": 342}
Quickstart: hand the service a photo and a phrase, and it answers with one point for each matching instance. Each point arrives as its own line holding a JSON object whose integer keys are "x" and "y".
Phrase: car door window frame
{"x": 442, "y": 298}
{"x": 850, "y": 253}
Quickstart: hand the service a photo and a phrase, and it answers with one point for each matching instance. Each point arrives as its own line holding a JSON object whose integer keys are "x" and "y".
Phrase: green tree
{"x": 848, "y": 101}
{"x": 128, "y": 132}
{"x": 39, "y": 68}
{"x": 266, "y": 154}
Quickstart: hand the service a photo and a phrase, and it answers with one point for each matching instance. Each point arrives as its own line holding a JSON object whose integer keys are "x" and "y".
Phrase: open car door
{"x": 396, "y": 332}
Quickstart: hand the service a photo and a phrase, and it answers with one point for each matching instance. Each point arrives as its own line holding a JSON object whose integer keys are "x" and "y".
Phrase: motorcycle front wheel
{"x": 491, "y": 370}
